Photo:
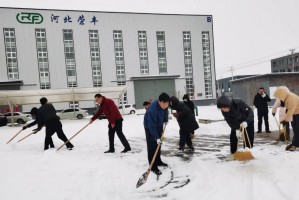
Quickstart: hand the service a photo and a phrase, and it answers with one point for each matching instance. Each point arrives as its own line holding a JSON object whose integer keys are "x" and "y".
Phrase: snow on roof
{"x": 24, "y": 97}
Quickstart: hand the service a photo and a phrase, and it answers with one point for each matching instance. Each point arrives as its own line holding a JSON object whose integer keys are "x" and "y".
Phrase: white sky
{"x": 247, "y": 33}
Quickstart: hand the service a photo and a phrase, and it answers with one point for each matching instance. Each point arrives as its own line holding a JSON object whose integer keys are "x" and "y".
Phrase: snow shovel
{"x": 245, "y": 155}
{"x": 73, "y": 136}
{"x": 27, "y": 136}
{"x": 144, "y": 176}
{"x": 14, "y": 136}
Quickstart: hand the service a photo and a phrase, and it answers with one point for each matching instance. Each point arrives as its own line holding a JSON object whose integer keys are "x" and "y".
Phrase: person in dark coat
{"x": 191, "y": 106}
{"x": 261, "y": 100}
{"x": 189, "y": 103}
{"x": 186, "y": 122}
{"x": 237, "y": 114}
{"x": 146, "y": 104}
{"x": 108, "y": 107}
{"x": 34, "y": 114}
{"x": 47, "y": 117}
{"x": 155, "y": 116}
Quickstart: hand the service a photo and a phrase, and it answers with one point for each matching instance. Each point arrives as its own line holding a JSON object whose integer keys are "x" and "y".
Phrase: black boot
{"x": 162, "y": 164}
{"x": 126, "y": 150}
{"x": 69, "y": 146}
{"x": 110, "y": 151}
{"x": 157, "y": 171}
{"x": 191, "y": 148}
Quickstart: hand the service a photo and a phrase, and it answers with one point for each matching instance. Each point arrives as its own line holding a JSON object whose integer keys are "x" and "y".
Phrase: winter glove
{"x": 159, "y": 141}
{"x": 284, "y": 123}
{"x": 24, "y": 127}
{"x": 36, "y": 130}
{"x": 239, "y": 134}
{"x": 273, "y": 114}
{"x": 264, "y": 95}
{"x": 243, "y": 124}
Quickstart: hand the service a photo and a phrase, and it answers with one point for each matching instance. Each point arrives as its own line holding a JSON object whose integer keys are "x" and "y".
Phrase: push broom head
{"x": 246, "y": 155}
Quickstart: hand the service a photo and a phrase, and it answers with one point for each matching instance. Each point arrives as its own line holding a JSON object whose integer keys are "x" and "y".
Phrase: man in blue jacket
{"x": 154, "y": 118}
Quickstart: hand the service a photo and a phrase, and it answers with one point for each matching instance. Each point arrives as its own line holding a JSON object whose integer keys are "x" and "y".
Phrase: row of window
{"x": 285, "y": 61}
{"x": 188, "y": 63}
{"x": 70, "y": 60}
{"x": 207, "y": 64}
{"x": 296, "y": 69}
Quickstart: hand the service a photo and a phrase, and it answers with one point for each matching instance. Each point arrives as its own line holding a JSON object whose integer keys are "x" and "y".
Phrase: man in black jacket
{"x": 261, "y": 100}
{"x": 189, "y": 103}
{"x": 34, "y": 114}
{"x": 237, "y": 114}
{"x": 186, "y": 122}
{"x": 47, "y": 116}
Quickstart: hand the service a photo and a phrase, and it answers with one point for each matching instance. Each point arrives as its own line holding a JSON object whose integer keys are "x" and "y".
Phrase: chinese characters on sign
{"x": 54, "y": 18}
{"x": 94, "y": 20}
{"x": 81, "y": 20}
{"x": 68, "y": 19}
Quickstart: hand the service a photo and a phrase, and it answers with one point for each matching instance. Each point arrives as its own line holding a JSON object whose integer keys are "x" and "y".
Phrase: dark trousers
{"x": 118, "y": 129}
{"x": 51, "y": 144}
{"x": 234, "y": 139}
{"x": 185, "y": 137}
{"x": 151, "y": 148}
{"x": 295, "y": 125}
{"x": 261, "y": 115}
{"x": 53, "y": 126}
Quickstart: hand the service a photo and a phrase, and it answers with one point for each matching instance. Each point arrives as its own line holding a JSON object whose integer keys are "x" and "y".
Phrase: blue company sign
{"x": 29, "y": 18}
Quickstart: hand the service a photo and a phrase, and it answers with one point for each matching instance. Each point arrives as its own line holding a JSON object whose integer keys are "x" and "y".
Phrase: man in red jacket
{"x": 108, "y": 107}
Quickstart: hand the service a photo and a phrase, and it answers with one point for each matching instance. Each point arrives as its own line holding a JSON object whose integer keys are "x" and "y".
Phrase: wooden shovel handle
{"x": 156, "y": 152}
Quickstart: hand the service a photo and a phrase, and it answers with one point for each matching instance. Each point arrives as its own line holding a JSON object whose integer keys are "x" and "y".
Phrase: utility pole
{"x": 232, "y": 71}
{"x": 292, "y": 57}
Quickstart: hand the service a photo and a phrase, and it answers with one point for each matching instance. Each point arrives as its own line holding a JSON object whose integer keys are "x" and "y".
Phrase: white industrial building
{"x": 149, "y": 53}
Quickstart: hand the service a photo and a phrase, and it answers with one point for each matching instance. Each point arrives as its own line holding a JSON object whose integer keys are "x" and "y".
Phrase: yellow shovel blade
{"x": 243, "y": 156}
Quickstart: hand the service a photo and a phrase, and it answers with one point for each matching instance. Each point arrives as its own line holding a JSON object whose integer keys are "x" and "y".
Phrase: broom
{"x": 244, "y": 155}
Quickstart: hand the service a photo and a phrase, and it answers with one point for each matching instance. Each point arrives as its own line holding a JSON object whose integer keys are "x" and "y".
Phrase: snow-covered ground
{"x": 86, "y": 173}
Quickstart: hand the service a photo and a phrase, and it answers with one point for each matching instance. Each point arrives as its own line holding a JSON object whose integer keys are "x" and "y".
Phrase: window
{"x": 70, "y": 62}
{"x": 161, "y": 52}
{"x": 95, "y": 58}
{"x": 124, "y": 100}
{"x": 207, "y": 64}
{"x": 119, "y": 57}
{"x": 73, "y": 105}
{"x": 42, "y": 58}
{"x": 188, "y": 63}
{"x": 142, "y": 43}
{"x": 11, "y": 53}
{"x": 190, "y": 87}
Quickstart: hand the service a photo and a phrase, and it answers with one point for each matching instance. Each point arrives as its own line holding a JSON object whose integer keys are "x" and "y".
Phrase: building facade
{"x": 288, "y": 63}
{"x": 224, "y": 85}
{"x": 247, "y": 88}
{"x": 149, "y": 53}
